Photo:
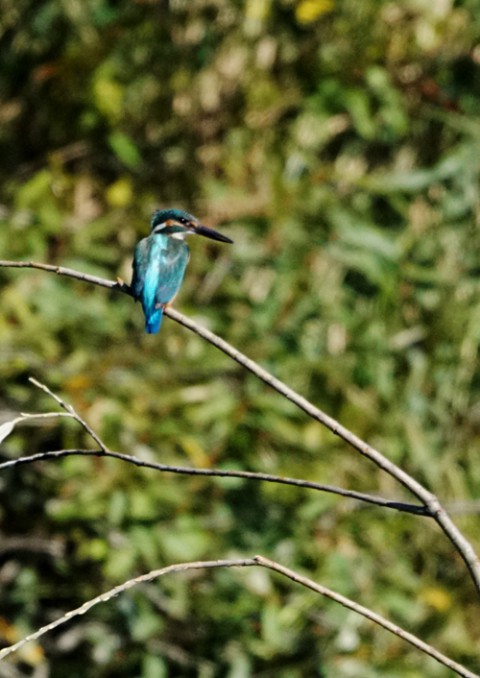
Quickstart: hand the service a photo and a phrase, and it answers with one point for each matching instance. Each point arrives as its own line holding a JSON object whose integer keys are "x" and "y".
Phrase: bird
{"x": 160, "y": 260}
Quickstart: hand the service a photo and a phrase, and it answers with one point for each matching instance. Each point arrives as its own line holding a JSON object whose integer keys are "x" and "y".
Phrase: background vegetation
{"x": 338, "y": 143}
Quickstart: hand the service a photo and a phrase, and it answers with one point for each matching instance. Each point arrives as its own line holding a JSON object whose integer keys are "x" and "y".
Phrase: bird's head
{"x": 178, "y": 224}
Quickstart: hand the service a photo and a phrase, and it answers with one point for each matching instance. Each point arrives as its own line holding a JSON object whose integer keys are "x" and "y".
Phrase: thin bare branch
{"x": 72, "y": 412}
{"x": 429, "y": 500}
{"x": 69, "y": 273}
{"x": 108, "y": 595}
{"x": 415, "y": 509}
{"x": 367, "y": 613}
{"x": 259, "y": 561}
{"x": 26, "y": 416}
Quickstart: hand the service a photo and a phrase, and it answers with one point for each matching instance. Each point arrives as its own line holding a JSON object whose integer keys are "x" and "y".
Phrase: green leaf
{"x": 125, "y": 149}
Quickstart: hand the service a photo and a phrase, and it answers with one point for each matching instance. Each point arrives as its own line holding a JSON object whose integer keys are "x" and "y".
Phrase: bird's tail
{"x": 154, "y": 320}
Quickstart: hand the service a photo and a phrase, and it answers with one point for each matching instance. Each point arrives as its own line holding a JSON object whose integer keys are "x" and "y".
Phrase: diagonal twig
{"x": 258, "y": 561}
{"x": 72, "y": 412}
{"x": 367, "y": 613}
{"x": 403, "y": 507}
{"x": 430, "y": 501}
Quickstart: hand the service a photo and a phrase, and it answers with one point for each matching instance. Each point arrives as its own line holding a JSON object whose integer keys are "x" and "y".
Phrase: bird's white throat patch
{"x": 180, "y": 235}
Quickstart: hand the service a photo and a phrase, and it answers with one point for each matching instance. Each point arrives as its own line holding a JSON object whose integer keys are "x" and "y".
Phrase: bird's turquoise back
{"x": 159, "y": 264}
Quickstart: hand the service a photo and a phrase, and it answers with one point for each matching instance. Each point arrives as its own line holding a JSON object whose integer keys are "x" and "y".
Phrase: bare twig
{"x": 26, "y": 416}
{"x": 259, "y": 561}
{"x": 108, "y": 595}
{"x": 71, "y": 412}
{"x": 367, "y": 613}
{"x": 429, "y": 500}
{"x": 222, "y": 473}
{"x": 69, "y": 273}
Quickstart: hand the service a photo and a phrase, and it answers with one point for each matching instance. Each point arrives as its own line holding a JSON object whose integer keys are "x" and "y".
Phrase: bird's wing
{"x": 140, "y": 256}
{"x": 171, "y": 276}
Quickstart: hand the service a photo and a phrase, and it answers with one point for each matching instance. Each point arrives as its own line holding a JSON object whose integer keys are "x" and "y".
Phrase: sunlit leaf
{"x": 6, "y": 429}
{"x": 125, "y": 149}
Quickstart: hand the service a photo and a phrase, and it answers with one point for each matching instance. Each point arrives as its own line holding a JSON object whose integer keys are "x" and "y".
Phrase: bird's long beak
{"x": 200, "y": 229}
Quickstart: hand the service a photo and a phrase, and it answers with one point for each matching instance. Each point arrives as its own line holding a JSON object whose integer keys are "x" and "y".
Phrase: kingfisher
{"x": 160, "y": 260}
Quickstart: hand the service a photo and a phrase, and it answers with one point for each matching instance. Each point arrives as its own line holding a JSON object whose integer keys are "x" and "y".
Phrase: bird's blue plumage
{"x": 159, "y": 265}
{"x": 159, "y": 261}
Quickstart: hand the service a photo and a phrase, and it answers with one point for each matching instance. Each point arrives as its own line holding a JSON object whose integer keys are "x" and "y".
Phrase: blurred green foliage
{"x": 338, "y": 143}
